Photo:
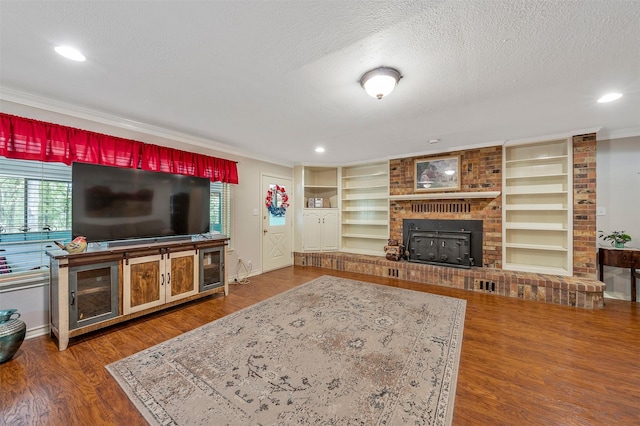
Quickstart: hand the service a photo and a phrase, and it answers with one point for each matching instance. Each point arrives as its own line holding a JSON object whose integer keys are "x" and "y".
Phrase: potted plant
{"x": 616, "y": 238}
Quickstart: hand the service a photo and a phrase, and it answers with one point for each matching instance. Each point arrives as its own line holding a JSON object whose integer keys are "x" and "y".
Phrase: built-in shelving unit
{"x": 365, "y": 208}
{"x": 321, "y": 183}
{"x": 316, "y": 228}
{"x": 537, "y": 207}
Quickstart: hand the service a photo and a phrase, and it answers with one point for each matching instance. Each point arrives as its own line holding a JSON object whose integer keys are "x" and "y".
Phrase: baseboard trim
{"x": 37, "y": 331}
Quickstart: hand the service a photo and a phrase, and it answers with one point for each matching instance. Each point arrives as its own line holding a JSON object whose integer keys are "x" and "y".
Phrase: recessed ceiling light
{"x": 70, "y": 53}
{"x": 610, "y": 97}
{"x": 319, "y": 149}
{"x": 432, "y": 141}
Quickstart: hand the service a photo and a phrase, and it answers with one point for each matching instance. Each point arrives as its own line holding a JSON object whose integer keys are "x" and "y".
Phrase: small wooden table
{"x": 621, "y": 258}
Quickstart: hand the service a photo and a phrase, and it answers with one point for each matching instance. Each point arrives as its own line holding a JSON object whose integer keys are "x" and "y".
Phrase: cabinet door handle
{"x": 162, "y": 281}
{"x": 322, "y": 220}
{"x": 73, "y": 298}
{"x": 318, "y": 220}
{"x": 168, "y": 278}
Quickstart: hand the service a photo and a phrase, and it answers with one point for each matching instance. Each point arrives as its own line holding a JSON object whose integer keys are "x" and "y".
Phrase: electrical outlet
{"x": 250, "y": 265}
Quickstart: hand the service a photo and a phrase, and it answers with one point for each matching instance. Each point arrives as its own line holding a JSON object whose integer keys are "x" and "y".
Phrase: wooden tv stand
{"x": 105, "y": 286}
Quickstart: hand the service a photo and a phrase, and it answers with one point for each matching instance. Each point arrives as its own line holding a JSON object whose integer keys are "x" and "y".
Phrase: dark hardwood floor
{"x": 522, "y": 363}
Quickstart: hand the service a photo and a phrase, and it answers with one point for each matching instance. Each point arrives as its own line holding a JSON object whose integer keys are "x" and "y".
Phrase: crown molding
{"x": 449, "y": 149}
{"x": 52, "y": 105}
{"x": 629, "y": 132}
{"x": 554, "y": 136}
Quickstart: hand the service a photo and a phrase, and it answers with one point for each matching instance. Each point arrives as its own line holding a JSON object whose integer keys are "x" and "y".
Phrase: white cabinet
{"x": 158, "y": 279}
{"x": 365, "y": 208}
{"x": 537, "y": 207}
{"x": 320, "y": 230}
{"x": 316, "y": 228}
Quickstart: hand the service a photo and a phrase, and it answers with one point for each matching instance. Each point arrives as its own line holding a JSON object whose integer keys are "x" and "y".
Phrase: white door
{"x": 276, "y": 223}
{"x": 330, "y": 230}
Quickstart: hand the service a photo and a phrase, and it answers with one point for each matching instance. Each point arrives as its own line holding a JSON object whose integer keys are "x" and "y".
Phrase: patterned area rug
{"x": 329, "y": 352}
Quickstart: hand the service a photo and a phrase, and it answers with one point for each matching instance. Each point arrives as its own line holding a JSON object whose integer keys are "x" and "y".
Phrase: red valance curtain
{"x": 27, "y": 139}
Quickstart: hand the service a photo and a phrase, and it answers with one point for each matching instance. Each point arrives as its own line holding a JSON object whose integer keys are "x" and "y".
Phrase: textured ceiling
{"x": 278, "y": 78}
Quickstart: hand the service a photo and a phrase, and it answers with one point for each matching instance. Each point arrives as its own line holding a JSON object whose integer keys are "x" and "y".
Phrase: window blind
{"x": 35, "y": 210}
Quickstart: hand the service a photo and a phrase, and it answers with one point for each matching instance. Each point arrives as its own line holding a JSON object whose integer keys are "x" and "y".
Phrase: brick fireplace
{"x": 481, "y": 171}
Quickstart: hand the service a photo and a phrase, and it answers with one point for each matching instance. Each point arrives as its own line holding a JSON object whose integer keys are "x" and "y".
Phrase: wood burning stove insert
{"x": 456, "y": 243}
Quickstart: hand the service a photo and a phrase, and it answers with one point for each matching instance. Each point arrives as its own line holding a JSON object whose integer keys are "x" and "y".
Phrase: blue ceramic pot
{"x": 12, "y": 332}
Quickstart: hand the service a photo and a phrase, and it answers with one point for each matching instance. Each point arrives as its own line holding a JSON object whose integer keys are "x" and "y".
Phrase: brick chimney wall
{"x": 481, "y": 170}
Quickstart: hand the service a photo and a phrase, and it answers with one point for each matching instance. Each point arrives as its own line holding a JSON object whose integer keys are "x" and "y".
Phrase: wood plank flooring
{"x": 522, "y": 363}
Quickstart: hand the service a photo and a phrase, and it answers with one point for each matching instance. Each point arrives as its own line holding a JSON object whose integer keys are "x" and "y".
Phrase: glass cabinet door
{"x": 211, "y": 268}
{"x": 93, "y": 293}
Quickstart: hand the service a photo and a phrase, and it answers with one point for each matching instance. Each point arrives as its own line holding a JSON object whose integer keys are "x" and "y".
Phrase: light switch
{"x": 256, "y": 212}
{"x": 601, "y": 211}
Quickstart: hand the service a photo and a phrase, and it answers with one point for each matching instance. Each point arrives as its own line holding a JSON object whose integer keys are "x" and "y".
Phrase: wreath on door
{"x": 277, "y": 200}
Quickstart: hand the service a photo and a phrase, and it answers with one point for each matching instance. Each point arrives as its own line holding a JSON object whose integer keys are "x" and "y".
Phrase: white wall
{"x": 33, "y": 303}
{"x": 618, "y": 192}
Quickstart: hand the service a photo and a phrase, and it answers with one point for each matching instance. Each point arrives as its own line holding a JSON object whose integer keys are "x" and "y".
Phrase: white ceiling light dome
{"x": 70, "y": 53}
{"x": 609, "y": 97}
{"x": 379, "y": 82}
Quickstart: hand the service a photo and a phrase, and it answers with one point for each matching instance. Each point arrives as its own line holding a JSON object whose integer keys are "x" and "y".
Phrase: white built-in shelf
{"x": 354, "y": 197}
{"x": 535, "y": 247}
{"x": 446, "y": 195}
{"x": 532, "y": 176}
{"x": 524, "y": 192}
{"x": 365, "y": 236}
{"x": 365, "y": 209}
{"x": 537, "y": 159}
{"x": 536, "y": 226}
{"x": 529, "y": 207}
{"x": 368, "y": 175}
{"x": 537, "y": 207}
{"x": 365, "y": 222}
{"x": 360, "y": 188}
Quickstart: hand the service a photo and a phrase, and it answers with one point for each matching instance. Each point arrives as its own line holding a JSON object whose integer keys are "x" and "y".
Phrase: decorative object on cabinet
{"x": 12, "y": 332}
{"x": 393, "y": 249}
{"x": 617, "y": 238}
{"x": 537, "y": 208}
{"x": 78, "y": 245}
{"x": 277, "y": 200}
{"x": 437, "y": 174}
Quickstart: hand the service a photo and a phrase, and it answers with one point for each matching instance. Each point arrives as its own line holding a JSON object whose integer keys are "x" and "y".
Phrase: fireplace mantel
{"x": 446, "y": 195}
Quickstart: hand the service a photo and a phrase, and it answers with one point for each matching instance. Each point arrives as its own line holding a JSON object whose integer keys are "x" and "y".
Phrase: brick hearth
{"x": 567, "y": 291}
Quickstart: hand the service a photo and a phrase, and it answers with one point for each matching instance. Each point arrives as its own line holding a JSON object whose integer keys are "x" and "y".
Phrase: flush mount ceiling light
{"x": 319, "y": 149}
{"x": 610, "y": 97}
{"x": 380, "y": 82}
{"x": 70, "y": 53}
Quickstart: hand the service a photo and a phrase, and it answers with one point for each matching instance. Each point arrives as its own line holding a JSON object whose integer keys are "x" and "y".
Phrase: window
{"x": 220, "y": 210}
{"x": 35, "y": 211}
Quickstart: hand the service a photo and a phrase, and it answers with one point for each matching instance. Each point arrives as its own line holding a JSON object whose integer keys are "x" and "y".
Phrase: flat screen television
{"x": 113, "y": 204}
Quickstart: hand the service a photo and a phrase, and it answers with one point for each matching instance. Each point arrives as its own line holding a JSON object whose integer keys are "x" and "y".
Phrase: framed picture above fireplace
{"x": 437, "y": 174}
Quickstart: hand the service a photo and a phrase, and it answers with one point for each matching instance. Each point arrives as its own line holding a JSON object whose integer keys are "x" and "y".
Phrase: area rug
{"x": 332, "y": 351}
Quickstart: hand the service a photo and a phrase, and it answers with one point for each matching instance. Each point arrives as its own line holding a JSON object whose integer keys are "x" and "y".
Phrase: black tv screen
{"x": 111, "y": 203}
